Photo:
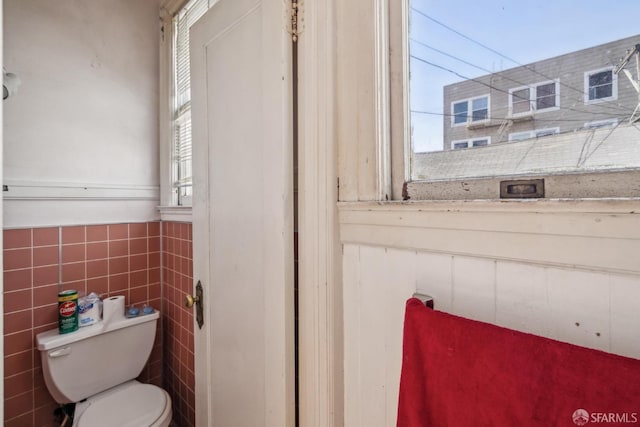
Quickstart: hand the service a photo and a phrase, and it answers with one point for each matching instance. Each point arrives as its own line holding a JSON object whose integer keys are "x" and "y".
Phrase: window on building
{"x": 521, "y": 101}
{"x": 460, "y": 110}
{"x": 546, "y": 96}
{"x": 457, "y": 145}
{"x": 532, "y": 93}
{"x": 470, "y": 110}
{"x": 537, "y": 97}
{"x": 521, "y": 136}
{"x": 182, "y": 171}
{"x": 609, "y": 123}
{"x": 479, "y": 142}
{"x": 546, "y": 132}
{"x": 600, "y": 85}
{"x": 480, "y": 110}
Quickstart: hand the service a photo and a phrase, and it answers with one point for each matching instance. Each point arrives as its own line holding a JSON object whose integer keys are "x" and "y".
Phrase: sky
{"x": 523, "y": 30}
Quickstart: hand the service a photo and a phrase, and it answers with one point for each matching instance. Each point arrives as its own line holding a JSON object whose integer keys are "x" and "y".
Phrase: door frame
{"x": 320, "y": 324}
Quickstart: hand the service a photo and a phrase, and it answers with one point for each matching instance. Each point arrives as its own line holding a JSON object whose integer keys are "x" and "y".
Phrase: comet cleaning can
{"x": 68, "y": 311}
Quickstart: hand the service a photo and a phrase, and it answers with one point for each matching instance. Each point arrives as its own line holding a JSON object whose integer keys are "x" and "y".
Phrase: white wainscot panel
{"x": 625, "y": 315}
{"x": 433, "y": 277}
{"x": 579, "y": 302}
{"x": 522, "y": 300}
{"x": 474, "y": 288}
{"x": 377, "y": 283}
{"x": 351, "y": 316}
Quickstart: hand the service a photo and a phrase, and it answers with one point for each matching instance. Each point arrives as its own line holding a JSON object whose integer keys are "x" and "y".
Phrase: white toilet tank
{"x": 81, "y": 364}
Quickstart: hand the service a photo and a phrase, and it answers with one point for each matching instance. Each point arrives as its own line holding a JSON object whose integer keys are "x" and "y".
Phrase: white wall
{"x": 84, "y": 123}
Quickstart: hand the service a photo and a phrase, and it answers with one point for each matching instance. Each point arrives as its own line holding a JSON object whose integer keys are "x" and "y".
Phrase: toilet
{"x": 96, "y": 368}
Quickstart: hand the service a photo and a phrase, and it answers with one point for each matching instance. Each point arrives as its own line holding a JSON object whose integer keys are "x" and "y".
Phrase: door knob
{"x": 190, "y": 301}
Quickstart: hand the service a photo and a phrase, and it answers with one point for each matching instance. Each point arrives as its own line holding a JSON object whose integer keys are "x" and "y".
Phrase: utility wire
{"x": 582, "y": 158}
{"x": 491, "y": 49}
{"x": 487, "y": 84}
{"x": 463, "y": 36}
{"x": 417, "y": 58}
{"x": 616, "y": 107}
{"x": 434, "y": 113}
{"x": 588, "y": 155}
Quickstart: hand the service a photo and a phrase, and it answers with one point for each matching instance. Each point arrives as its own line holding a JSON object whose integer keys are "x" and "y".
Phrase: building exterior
{"x": 576, "y": 91}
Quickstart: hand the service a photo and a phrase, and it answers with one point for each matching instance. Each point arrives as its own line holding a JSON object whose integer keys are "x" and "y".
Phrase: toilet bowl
{"x": 96, "y": 368}
{"x": 132, "y": 404}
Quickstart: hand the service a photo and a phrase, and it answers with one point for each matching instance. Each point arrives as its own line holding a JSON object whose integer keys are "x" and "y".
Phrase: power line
{"x": 464, "y": 36}
{"x": 582, "y": 159}
{"x": 434, "y": 113}
{"x": 458, "y": 74}
{"x": 487, "y": 84}
{"x": 491, "y": 49}
{"x": 616, "y": 107}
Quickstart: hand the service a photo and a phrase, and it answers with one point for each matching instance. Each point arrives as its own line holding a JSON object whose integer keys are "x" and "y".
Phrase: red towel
{"x": 458, "y": 372}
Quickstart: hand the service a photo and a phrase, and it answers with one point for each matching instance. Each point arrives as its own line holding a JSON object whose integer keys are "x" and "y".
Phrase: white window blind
{"x": 182, "y": 171}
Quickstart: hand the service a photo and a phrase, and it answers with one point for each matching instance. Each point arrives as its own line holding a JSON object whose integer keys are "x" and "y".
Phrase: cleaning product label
{"x": 67, "y": 311}
{"x": 89, "y": 309}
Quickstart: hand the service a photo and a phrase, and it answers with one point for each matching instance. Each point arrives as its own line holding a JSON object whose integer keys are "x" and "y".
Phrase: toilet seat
{"x": 132, "y": 404}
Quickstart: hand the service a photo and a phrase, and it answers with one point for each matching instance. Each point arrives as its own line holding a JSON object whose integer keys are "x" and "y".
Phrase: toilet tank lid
{"x": 53, "y": 339}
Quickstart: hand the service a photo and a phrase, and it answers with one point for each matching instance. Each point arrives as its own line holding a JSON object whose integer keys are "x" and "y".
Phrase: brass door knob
{"x": 189, "y": 300}
{"x": 198, "y": 300}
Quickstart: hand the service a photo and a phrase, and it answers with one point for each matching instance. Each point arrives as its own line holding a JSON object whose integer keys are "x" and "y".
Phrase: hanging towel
{"x": 458, "y": 372}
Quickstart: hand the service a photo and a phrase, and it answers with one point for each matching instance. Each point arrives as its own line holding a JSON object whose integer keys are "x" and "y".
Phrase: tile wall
{"x": 178, "y": 374}
{"x": 114, "y": 259}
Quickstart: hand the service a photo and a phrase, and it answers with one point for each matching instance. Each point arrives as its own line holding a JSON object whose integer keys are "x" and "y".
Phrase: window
{"x": 600, "y": 85}
{"x": 537, "y": 97}
{"x": 532, "y": 104}
{"x": 546, "y": 96}
{"x": 182, "y": 172}
{"x": 521, "y": 136}
{"x": 479, "y": 108}
{"x": 460, "y": 110}
{"x": 479, "y": 142}
{"x": 609, "y": 123}
{"x": 521, "y": 101}
{"x": 546, "y": 132}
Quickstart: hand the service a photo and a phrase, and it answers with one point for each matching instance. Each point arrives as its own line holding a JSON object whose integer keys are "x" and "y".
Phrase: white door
{"x": 243, "y": 214}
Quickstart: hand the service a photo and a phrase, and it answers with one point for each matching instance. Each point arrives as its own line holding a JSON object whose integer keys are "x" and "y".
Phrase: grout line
{"x": 59, "y": 258}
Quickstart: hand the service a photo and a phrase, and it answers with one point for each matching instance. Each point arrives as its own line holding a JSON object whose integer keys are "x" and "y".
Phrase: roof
{"x": 580, "y": 151}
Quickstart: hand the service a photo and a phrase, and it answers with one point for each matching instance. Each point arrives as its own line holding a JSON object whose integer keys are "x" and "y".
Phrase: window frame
{"x": 533, "y": 98}
{"x": 614, "y": 86}
{"x": 470, "y": 142}
{"x": 182, "y": 107}
{"x": 169, "y": 209}
{"x": 533, "y": 134}
{"x": 454, "y": 115}
{"x": 527, "y": 102}
{"x": 602, "y": 185}
{"x": 598, "y": 124}
{"x": 469, "y": 112}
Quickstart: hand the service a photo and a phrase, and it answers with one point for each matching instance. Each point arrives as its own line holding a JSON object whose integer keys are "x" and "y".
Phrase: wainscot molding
{"x": 602, "y": 235}
{"x": 176, "y": 213}
{"x": 39, "y": 190}
{"x": 44, "y": 204}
